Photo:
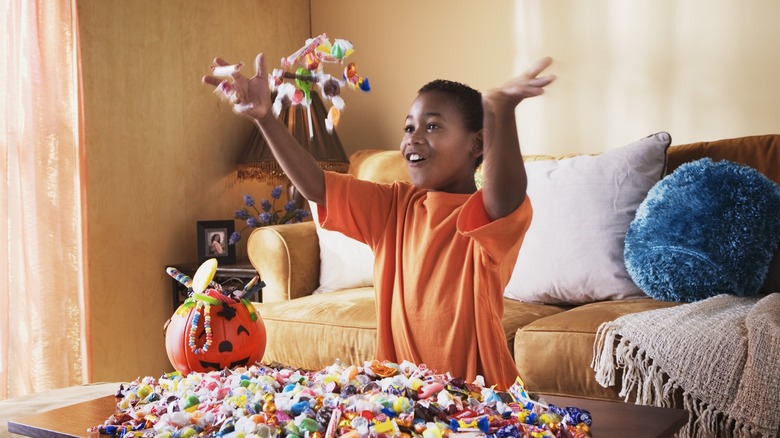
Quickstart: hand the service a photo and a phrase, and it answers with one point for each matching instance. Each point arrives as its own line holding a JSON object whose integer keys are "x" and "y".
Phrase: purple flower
{"x": 276, "y": 193}
{"x": 242, "y": 213}
{"x": 268, "y": 215}
{"x": 300, "y": 215}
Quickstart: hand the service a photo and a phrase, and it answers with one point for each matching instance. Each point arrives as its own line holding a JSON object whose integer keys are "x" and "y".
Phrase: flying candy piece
{"x": 338, "y": 102}
{"x": 225, "y": 71}
{"x": 333, "y": 119}
{"x": 298, "y": 97}
{"x": 311, "y": 61}
{"x": 353, "y": 79}
{"x": 277, "y": 77}
{"x": 242, "y": 107}
{"x": 364, "y": 85}
{"x": 179, "y": 276}
{"x": 330, "y": 87}
{"x": 308, "y": 47}
{"x": 341, "y": 49}
{"x": 284, "y": 91}
{"x": 303, "y": 84}
{"x": 225, "y": 90}
{"x": 350, "y": 73}
{"x": 336, "y": 52}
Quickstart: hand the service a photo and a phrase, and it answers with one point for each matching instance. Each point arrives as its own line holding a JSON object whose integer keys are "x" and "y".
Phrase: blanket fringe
{"x": 640, "y": 375}
{"x": 653, "y": 387}
{"x": 602, "y": 354}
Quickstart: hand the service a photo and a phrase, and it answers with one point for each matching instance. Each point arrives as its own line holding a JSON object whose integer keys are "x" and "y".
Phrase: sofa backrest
{"x": 761, "y": 152}
{"x": 378, "y": 165}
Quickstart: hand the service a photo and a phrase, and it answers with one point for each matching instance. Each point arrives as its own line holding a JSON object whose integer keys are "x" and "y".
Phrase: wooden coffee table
{"x": 616, "y": 419}
{"x": 610, "y": 419}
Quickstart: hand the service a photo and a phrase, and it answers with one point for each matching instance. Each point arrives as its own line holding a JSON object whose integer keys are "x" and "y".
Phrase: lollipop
{"x": 204, "y": 275}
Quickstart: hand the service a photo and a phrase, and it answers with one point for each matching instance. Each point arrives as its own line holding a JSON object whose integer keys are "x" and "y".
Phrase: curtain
{"x": 44, "y": 330}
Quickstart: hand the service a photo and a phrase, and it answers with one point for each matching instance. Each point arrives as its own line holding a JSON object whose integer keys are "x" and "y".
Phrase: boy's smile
{"x": 440, "y": 152}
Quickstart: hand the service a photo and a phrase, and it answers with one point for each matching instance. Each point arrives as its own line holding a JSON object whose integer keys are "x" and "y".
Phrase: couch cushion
{"x": 345, "y": 263}
{"x": 311, "y": 332}
{"x": 518, "y": 314}
{"x": 553, "y": 354}
{"x": 573, "y": 250}
{"x": 378, "y": 166}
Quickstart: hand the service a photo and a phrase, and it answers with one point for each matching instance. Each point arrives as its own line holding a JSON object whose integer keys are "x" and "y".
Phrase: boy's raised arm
{"x": 252, "y": 97}
{"x": 504, "y": 179}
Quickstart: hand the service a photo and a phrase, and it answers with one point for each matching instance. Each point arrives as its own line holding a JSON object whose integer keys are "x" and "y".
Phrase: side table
{"x": 242, "y": 272}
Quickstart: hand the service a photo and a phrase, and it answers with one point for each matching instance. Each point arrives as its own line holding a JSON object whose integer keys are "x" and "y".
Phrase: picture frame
{"x": 213, "y": 237}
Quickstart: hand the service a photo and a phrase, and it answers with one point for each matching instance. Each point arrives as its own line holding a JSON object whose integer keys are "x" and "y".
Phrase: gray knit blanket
{"x": 722, "y": 354}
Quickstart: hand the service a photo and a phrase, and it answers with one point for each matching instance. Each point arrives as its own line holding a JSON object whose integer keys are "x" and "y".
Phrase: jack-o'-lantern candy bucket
{"x": 213, "y": 329}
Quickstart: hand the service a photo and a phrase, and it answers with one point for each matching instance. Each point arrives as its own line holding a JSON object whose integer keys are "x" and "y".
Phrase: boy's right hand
{"x": 249, "y": 96}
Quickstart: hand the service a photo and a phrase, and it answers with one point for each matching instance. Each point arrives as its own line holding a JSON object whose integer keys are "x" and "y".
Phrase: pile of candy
{"x": 378, "y": 400}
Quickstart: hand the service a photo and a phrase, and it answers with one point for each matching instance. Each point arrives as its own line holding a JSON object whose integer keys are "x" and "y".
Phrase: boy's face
{"x": 440, "y": 152}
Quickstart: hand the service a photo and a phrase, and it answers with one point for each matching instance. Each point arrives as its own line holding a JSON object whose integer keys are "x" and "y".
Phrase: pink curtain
{"x": 44, "y": 329}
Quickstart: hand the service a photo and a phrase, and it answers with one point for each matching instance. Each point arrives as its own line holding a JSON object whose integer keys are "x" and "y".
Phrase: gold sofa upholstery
{"x": 552, "y": 345}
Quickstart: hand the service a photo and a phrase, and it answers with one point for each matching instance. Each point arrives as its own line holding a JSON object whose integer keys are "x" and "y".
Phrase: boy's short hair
{"x": 467, "y": 99}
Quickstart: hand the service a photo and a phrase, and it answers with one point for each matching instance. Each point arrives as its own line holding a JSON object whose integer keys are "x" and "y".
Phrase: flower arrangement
{"x": 268, "y": 213}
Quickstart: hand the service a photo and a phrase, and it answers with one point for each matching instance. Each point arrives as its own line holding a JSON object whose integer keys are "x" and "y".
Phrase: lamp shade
{"x": 258, "y": 162}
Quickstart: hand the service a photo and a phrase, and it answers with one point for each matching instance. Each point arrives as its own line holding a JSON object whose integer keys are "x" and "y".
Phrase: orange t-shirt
{"x": 440, "y": 271}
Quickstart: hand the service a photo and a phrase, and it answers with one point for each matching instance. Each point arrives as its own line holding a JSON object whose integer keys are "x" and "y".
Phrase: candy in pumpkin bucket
{"x": 215, "y": 328}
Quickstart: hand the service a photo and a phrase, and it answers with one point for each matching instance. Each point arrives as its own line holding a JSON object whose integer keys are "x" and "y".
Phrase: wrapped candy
{"x": 308, "y": 62}
{"x": 225, "y": 71}
{"x": 264, "y": 401}
{"x": 310, "y": 71}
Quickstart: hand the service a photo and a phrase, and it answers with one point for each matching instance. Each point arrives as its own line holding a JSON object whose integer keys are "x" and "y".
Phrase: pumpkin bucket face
{"x": 235, "y": 331}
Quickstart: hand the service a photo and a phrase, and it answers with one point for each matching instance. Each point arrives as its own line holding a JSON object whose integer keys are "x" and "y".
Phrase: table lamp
{"x": 258, "y": 163}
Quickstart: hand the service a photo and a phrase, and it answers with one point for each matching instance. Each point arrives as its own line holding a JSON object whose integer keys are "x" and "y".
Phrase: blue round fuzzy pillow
{"x": 709, "y": 228}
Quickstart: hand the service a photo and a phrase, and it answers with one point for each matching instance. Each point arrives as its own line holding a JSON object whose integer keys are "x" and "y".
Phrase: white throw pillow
{"x": 344, "y": 262}
{"x": 582, "y": 207}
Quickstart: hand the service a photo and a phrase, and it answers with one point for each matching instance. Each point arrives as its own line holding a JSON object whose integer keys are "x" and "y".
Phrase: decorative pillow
{"x": 708, "y": 228}
{"x": 573, "y": 250}
{"x": 344, "y": 262}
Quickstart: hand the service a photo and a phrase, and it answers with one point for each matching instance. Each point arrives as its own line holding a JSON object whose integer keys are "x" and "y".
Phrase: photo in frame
{"x": 213, "y": 241}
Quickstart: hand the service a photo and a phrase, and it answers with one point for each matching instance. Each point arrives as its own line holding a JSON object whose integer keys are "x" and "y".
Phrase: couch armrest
{"x": 287, "y": 258}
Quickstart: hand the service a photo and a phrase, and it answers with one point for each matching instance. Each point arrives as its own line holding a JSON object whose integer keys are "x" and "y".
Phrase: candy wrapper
{"x": 378, "y": 399}
{"x": 311, "y": 59}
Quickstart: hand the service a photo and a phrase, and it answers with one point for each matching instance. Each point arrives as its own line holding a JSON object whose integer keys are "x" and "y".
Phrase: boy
{"x": 444, "y": 250}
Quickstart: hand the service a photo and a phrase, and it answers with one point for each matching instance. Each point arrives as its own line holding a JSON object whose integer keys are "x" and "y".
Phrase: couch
{"x": 552, "y": 344}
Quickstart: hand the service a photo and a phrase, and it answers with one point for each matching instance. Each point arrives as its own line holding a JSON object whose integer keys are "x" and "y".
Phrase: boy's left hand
{"x": 528, "y": 84}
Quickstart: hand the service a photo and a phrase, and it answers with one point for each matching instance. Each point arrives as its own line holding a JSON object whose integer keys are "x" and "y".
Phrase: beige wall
{"x": 699, "y": 69}
{"x": 161, "y": 150}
